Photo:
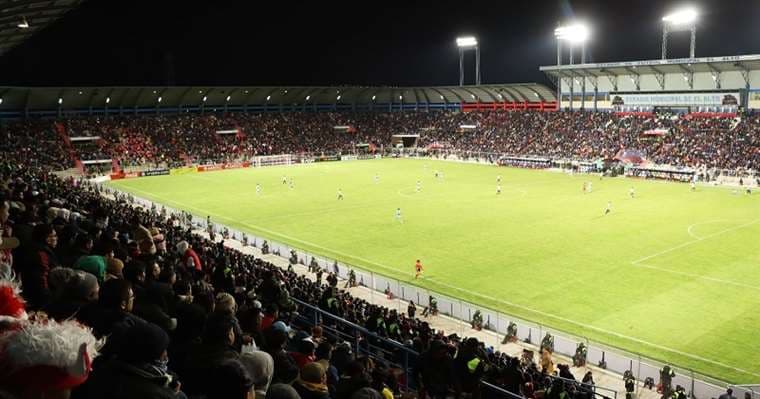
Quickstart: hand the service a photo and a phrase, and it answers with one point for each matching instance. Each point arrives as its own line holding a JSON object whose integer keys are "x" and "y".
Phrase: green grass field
{"x": 671, "y": 274}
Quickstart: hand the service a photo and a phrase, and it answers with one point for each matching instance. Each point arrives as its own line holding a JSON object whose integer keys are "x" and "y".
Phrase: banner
{"x": 156, "y": 172}
{"x": 676, "y": 99}
{"x": 223, "y": 166}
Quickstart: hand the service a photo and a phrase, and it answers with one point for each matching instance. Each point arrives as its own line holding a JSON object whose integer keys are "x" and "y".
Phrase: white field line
{"x": 692, "y": 242}
{"x": 688, "y": 230}
{"x": 602, "y": 330}
{"x": 699, "y": 276}
{"x": 539, "y": 312}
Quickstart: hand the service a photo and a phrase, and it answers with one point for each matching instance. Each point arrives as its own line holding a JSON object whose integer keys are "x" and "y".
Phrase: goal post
{"x": 272, "y": 160}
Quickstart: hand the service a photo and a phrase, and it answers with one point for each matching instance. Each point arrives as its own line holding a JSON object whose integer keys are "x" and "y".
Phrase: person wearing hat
{"x": 40, "y": 358}
{"x": 78, "y": 291}
{"x": 93, "y": 264}
{"x": 139, "y": 369}
{"x": 312, "y": 382}
{"x": 215, "y": 348}
{"x": 230, "y": 380}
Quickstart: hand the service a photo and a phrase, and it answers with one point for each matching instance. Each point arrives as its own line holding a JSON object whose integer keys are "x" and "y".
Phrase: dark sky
{"x": 399, "y": 43}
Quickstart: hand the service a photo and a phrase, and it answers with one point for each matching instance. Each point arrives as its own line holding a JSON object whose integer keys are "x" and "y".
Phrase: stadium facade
{"x": 709, "y": 84}
{"x": 58, "y": 101}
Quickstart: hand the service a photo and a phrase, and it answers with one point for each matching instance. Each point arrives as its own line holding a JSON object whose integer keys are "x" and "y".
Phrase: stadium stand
{"x": 175, "y": 312}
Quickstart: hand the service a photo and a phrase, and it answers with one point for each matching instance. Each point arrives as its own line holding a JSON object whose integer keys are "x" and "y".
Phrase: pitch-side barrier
{"x": 611, "y": 358}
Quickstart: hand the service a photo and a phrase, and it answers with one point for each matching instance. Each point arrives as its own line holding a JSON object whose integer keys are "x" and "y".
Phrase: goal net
{"x": 271, "y": 160}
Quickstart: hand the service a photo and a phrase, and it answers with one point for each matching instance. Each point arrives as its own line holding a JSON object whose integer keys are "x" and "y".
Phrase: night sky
{"x": 396, "y": 43}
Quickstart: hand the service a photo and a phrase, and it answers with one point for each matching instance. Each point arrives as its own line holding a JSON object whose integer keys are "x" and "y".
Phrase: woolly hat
{"x": 12, "y": 305}
{"x": 143, "y": 343}
{"x": 182, "y": 246}
{"x": 40, "y": 355}
{"x": 313, "y": 373}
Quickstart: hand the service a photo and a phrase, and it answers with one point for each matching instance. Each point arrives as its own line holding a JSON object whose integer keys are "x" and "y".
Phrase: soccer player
{"x": 398, "y": 215}
{"x": 609, "y": 207}
{"x": 284, "y": 179}
{"x": 340, "y": 194}
{"x": 377, "y": 178}
{"x": 498, "y": 189}
{"x": 291, "y": 185}
{"x": 749, "y": 190}
{"x": 631, "y": 192}
{"x": 258, "y": 189}
{"x": 585, "y": 185}
{"x": 418, "y": 270}
{"x": 498, "y": 179}
{"x": 419, "y": 186}
{"x": 588, "y": 187}
{"x": 436, "y": 173}
{"x": 693, "y": 186}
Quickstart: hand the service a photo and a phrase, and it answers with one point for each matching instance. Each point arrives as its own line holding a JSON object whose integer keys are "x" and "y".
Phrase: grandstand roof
{"x": 657, "y": 67}
{"x": 37, "y": 13}
{"x": 19, "y": 98}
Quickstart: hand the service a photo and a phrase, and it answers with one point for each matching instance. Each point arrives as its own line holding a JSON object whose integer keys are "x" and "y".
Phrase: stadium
{"x": 592, "y": 234}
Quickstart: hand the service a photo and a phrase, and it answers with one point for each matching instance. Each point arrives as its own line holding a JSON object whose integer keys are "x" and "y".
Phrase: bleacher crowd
{"x": 724, "y": 143}
{"x": 115, "y": 300}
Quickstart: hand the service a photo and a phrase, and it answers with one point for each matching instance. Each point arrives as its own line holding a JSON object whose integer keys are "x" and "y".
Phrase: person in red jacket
{"x": 189, "y": 258}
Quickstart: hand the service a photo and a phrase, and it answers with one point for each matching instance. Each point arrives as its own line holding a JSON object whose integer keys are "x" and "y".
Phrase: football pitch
{"x": 671, "y": 274}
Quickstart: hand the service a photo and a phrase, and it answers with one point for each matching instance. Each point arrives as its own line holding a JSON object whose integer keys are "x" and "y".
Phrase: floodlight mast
{"x": 467, "y": 43}
{"x": 574, "y": 34}
{"x": 681, "y": 20}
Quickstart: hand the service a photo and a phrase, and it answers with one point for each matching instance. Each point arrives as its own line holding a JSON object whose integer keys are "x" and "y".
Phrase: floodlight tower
{"x": 575, "y": 34}
{"x": 468, "y": 43}
{"x": 681, "y": 20}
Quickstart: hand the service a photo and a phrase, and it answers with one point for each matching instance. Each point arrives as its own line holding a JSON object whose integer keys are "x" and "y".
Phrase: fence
{"x": 615, "y": 359}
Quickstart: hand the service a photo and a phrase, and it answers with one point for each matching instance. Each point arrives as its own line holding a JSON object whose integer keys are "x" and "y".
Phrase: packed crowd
{"x": 111, "y": 299}
{"x": 724, "y": 143}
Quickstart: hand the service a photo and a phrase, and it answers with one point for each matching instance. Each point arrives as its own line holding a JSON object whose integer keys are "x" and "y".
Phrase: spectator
{"x": 312, "y": 383}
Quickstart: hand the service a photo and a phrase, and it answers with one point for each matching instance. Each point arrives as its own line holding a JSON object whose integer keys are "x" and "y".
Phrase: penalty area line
{"x": 598, "y": 329}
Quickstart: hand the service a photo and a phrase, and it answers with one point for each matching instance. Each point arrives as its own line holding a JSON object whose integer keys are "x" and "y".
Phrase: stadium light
{"x": 205, "y": 98}
{"x": 1, "y": 100}
{"x": 307, "y": 98}
{"x": 108, "y": 100}
{"x": 684, "y": 19}
{"x": 268, "y": 97}
{"x": 228, "y": 98}
{"x": 373, "y": 98}
{"x": 575, "y": 34}
{"x": 159, "y": 98}
{"x": 338, "y": 97}
{"x": 468, "y": 43}
{"x": 60, "y": 100}
{"x": 401, "y": 98}
{"x": 24, "y": 24}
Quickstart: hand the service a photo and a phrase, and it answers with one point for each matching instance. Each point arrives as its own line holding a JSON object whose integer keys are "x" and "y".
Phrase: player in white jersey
{"x": 498, "y": 189}
{"x": 258, "y": 189}
{"x": 609, "y": 207}
{"x": 340, "y": 194}
{"x": 588, "y": 187}
{"x": 693, "y": 186}
{"x": 398, "y": 215}
{"x": 419, "y": 186}
{"x": 631, "y": 192}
